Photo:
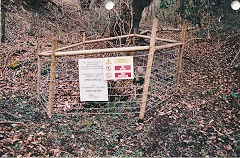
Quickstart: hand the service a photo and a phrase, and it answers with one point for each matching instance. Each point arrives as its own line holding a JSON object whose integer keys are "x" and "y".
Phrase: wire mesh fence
{"x": 125, "y": 96}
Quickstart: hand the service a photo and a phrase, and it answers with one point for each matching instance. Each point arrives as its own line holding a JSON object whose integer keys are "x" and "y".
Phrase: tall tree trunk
{"x": 31, "y": 33}
{"x": 177, "y": 17}
{"x": 138, "y": 7}
{"x": 0, "y": 21}
{"x": 2, "y": 26}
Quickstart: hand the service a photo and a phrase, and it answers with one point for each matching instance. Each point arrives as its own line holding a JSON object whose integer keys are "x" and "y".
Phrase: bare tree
{"x": 138, "y": 7}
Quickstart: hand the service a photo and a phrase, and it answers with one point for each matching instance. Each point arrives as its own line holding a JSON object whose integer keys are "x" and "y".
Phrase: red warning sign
{"x": 123, "y": 75}
{"x": 118, "y": 68}
{"x": 123, "y": 67}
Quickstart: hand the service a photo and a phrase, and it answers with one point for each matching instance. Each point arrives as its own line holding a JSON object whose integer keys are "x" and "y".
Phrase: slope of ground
{"x": 204, "y": 119}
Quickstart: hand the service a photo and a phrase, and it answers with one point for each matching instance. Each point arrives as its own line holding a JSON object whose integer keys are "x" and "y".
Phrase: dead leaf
{"x": 14, "y": 65}
{"x": 212, "y": 137}
{"x": 190, "y": 106}
{"x": 27, "y": 155}
{"x": 87, "y": 123}
{"x": 228, "y": 147}
{"x": 55, "y": 151}
{"x": 30, "y": 138}
{"x": 41, "y": 133}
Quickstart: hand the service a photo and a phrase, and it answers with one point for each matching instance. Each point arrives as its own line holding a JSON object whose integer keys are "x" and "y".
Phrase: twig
{"x": 197, "y": 38}
{"x": 11, "y": 122}
{"x": 235, "y": 57}
{"x": 5, "y": 62}
{"x": 10, "y": 114}
{"x": 149, "y": 119}
{"x": 66, "y": 153}
{"x": 42, "y": 147}
{"x": 164, "y": 113}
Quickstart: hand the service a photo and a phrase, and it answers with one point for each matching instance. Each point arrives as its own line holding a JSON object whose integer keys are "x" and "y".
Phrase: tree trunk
{"x": 138, "y": 7}
{"x": 31, "y": 33}
{"x": 176, "y": 18}
{"x": 0, "y": 21}
{"x": 2, "y": 25}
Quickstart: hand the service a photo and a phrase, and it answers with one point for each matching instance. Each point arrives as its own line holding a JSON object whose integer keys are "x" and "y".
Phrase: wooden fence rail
{"x": 111, "y": 50}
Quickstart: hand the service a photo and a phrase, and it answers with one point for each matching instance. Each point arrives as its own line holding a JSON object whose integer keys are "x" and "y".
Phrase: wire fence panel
{"x": 125, "y": 96}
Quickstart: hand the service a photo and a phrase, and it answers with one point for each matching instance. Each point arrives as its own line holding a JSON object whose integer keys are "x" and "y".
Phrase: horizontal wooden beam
{"x": 91, "y": 41}
{"x": 159, "y": 39}
{"x": 168, "y": 46}
{"x": 110, "y": 50}
{"x": 95, "y": 51}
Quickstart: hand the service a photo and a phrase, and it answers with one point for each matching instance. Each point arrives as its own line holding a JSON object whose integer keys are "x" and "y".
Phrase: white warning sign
{"x": 93, "y": 87}
{"x": 118, "y": 68}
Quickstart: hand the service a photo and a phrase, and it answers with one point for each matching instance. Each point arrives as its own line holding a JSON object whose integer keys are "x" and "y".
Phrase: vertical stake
{"x": 183, "y": 33}
{"x": 39, "y": 71}
{"x": 134, "y": 37}
{"x": 84, "y": 45}
{"x": 52, "y": 77}
{"x": 133, "y": 42}
{"x": 149, "y": 67}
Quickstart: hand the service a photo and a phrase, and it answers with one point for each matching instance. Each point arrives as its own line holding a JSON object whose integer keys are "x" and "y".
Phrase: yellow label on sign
{"x": 108, "y": 62}
{"x": 122, "y": 60}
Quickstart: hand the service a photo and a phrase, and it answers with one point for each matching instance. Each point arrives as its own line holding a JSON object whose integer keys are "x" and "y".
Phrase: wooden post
{"x": 134, "y": 37}
{"x": 84, "y": 39}
{"x": 183, "y": 33}
{"x": 84, "y": 45}
{"x": 133, "y": 42}
{"x": 149, "y": 67}
{"x": 39, "y": 71}
{"x": 52, "y": 78}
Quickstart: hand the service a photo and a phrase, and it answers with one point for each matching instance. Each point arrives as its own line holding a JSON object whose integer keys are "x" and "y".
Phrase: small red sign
{"x": 123, "y": 75}
{"x": 123, "y": 67}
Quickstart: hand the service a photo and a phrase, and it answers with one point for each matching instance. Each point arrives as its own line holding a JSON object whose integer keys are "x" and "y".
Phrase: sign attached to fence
{"x": 93, "y": 87}
{"x": 118, "y": 68}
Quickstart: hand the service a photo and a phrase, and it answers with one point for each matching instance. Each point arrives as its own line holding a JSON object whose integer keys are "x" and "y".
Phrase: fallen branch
{"x": 66, "y": 153}
{"x": 11, "y": 122}
{"x": 5, "y": 63}
{"x": 170, "y": 29}
{"x": 197, "y": 38}
{"x": 10, "y": 114}
{"x": 235, "y": 57}
{"x": 164, "y": 113}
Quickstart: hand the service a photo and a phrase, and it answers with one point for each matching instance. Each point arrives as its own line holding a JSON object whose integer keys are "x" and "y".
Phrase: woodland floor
{"x": 202, "y": 120}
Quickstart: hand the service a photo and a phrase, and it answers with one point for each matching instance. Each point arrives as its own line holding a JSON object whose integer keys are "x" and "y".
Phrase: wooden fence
{"x": 57, "y": 52}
